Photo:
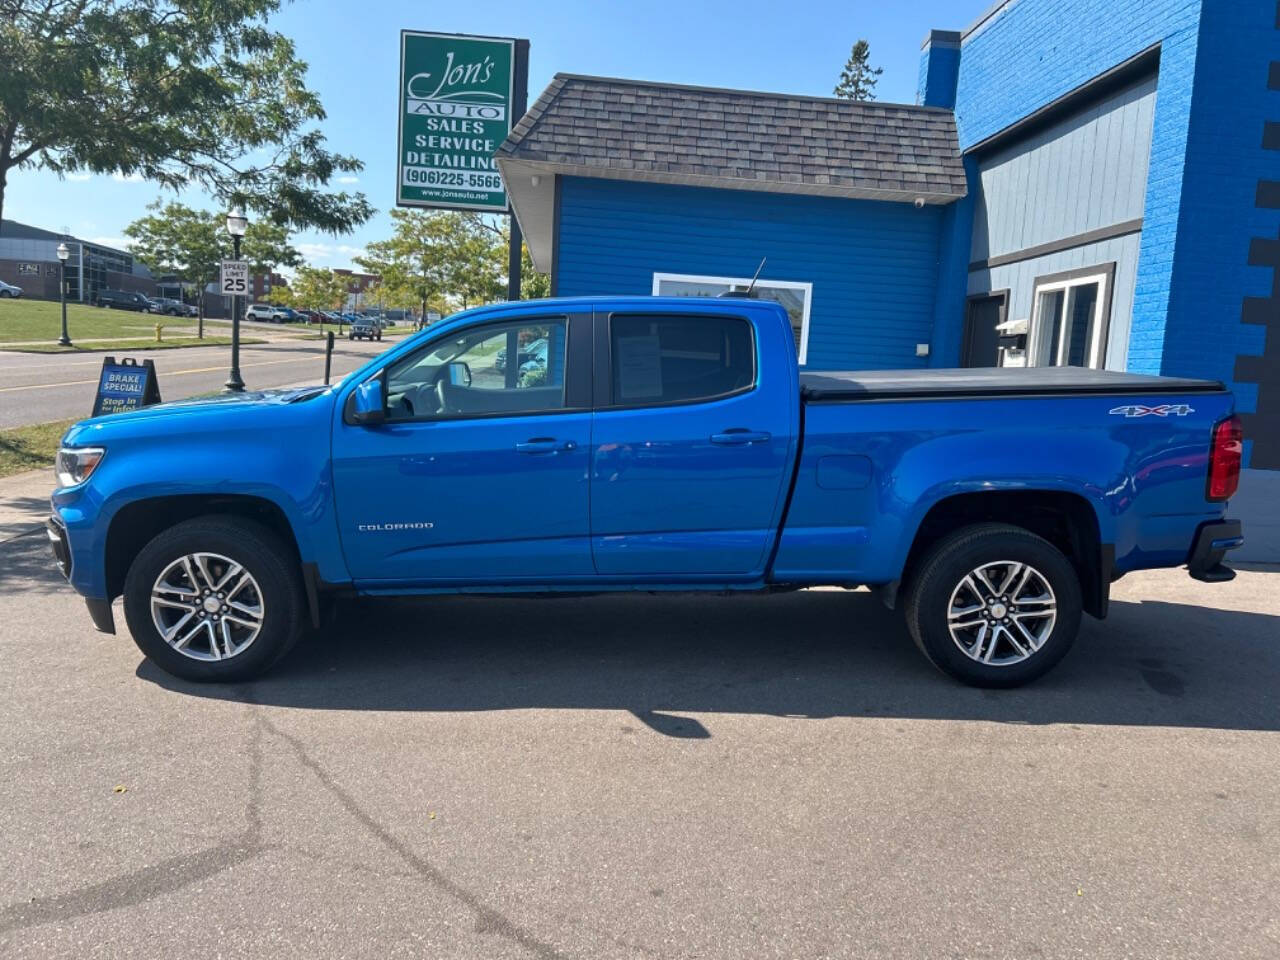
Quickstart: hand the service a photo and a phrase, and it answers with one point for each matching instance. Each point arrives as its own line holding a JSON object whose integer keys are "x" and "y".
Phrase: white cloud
{"x": 129, "y": 178}
{"x": 349, "y": 179}
{"x": 79, "y": 177}
{"x": 329, "y": 254}
{"x": 120, "y": 243}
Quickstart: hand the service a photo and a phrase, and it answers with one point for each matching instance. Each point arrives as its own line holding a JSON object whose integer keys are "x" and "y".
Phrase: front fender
{"x": 279, "y": 454}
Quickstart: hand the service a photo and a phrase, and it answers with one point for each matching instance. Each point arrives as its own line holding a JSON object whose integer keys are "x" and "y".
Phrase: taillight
{"x": 1225, "y": 454}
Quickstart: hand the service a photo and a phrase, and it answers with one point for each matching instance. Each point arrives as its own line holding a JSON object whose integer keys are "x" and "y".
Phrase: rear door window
{"x": 680, "y": 359}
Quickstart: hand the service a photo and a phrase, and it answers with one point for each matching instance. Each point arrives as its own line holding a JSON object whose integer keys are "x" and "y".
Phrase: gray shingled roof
{"x": 627, "y": 129}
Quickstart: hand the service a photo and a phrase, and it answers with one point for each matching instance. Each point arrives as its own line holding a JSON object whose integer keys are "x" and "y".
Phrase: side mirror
{"x": 458, "y": 374}
{"x": 369, "y": 401}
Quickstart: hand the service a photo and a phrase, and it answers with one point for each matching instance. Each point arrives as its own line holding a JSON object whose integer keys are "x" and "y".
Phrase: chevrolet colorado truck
{"x": 660, "y": 444}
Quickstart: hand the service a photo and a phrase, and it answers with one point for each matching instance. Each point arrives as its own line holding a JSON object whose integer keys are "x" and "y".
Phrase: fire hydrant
{"x": 159, "y": 328}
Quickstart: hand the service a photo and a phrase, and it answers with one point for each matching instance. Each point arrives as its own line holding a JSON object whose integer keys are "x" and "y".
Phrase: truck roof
{"x": 986, "y": 381}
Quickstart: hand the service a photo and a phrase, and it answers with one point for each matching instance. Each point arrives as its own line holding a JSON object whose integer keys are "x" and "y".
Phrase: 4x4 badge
{"x": 1161, "y": 410}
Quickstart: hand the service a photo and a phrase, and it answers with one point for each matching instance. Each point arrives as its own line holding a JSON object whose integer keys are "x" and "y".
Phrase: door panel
{"x": 457, "y": 499}
{"x": 688, "y": 487}
{"x": 480, "y": 472}
{"x": 982, "y": 339}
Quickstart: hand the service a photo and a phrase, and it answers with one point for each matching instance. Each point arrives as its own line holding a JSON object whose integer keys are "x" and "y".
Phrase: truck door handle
{"x": 538, "y": 445}
{"x": 737, "y": 436}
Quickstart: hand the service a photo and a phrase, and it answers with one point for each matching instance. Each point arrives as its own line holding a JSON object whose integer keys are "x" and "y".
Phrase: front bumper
{"x": 99, "y": 610}
{"x": 57, "y": 532}
{"x": 1212, "y": 542}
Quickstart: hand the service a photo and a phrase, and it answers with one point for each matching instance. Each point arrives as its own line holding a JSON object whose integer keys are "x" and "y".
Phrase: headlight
{"x": 75, "y": 464}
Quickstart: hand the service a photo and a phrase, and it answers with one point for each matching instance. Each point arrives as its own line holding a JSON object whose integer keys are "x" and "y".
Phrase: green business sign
{"x": 456, "y": 101}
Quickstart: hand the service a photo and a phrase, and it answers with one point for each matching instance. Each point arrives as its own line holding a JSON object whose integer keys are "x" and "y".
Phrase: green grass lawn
{"x": 24, "y": 319}
{"x": 130, "y": 345}
{"x": 320, "y": 329}
{"x": 31, "y": 447}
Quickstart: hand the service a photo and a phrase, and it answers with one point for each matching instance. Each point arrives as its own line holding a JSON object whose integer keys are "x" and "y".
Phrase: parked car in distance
{"x": 268, "y": 313}
{"x": 9, "y": 290}
{"x": 121, "y": 300}
{"x": 167, "y": 306}
{"x": 994, "y": 507}
{"x": 364, "y": 328}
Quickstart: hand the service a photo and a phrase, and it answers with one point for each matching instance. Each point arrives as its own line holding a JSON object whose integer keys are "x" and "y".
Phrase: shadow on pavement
{"x": 809, "y": 654}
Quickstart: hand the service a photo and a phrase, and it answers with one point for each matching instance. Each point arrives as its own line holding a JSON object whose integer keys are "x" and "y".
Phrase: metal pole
{"x": 234, "y": 383}
{"x": 328, "y": 356}
{"x": 63, "y": 340}
{"x": 519, "y": 105}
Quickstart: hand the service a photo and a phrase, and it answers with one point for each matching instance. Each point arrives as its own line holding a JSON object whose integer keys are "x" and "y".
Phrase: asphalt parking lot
{"x": 642, "y": 777}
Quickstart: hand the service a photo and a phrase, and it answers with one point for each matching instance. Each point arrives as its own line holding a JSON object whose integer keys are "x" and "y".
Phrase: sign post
{"x": 459, "y": 98}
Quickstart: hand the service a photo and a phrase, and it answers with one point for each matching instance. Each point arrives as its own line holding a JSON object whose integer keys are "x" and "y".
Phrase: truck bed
{"x": 843, "y": 385}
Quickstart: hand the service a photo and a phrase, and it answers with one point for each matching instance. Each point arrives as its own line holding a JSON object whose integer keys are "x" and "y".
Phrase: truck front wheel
{"x": 215, "y": 599}
{"x": 994, "y": 605}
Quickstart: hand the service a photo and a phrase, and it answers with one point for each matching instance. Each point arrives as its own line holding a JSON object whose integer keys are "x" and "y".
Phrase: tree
{"x": 533, "y": 285}
{"x": 412, "y": 261}
{"x": 191, "y": 244}
{"x": 184, "y": 94}
{"x": 317, "y": 288}
{"x": 858, "y": 78}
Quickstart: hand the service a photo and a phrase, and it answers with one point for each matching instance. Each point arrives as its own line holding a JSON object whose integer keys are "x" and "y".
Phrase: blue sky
{"x": 353, "y": 52}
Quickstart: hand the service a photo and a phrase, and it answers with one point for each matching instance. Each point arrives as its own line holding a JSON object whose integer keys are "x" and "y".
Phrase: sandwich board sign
{"x": 459, "y": 98}
{"x": 125, "y": 385}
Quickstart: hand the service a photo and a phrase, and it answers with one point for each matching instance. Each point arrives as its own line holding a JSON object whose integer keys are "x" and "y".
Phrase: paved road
{"x": 642, "y": 777}
{"x": 37, "y": 387}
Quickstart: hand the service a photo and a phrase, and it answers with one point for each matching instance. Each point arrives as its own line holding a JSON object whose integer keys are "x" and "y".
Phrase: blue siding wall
{"x": 874, "y": 266}
{"x": 1221, "y": 219}
{"x": 1034, "y": 51}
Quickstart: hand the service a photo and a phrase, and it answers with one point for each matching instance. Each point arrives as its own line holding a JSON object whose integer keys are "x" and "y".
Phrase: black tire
{"x": 5, "y": 294}
{"x": 268, "y": 561}
{"x": 940, "y": 574}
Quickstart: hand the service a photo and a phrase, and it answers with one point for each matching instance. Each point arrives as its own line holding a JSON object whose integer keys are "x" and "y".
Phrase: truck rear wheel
{"x": 994, "y": 605}
{"x": 215, "y": 599}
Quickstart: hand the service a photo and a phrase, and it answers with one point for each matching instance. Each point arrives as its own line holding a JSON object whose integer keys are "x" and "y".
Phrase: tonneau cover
{"x": 989, "y": 381}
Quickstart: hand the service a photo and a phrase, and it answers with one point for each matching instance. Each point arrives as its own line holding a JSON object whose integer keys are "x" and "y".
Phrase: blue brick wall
{"x": 939, "y": 73}
{"x": 873, "y": 265}
{"x": 1034, "y": 51}
{"x": 1218, "y": 218}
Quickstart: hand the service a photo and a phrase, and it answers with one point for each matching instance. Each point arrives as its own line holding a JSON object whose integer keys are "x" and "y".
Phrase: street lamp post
{"x": 237, "y": 224}
{"x": 63, "y": 253}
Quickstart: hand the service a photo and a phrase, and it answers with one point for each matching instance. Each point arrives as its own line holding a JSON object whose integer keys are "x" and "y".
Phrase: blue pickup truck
{"x": 659, "y": 444}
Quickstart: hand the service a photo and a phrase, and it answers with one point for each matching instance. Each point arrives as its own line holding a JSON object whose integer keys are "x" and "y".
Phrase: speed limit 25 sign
{"x": 235, "y": 278}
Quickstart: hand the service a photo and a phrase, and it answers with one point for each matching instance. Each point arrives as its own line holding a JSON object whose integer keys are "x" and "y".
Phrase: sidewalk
{"x": 1258, "y": 505}
{"x": 24, "y": 502}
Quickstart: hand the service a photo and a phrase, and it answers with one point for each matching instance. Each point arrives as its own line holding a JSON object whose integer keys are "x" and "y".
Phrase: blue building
{"x": 1083, "y": 182}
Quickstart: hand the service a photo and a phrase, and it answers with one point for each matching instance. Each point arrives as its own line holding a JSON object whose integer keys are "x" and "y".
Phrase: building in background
{"x": 1081, "y": 182}
{"x": 29, "y": 258}
{"x": 357, "y": 285}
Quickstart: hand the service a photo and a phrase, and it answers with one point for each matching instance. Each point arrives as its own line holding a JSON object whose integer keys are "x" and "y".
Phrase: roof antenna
{"x": 750, "y": 287}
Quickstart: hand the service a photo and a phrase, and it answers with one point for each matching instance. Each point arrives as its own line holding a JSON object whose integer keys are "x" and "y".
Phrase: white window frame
{"x": 731, "y": 282}
{"x": 1100, "y": 321}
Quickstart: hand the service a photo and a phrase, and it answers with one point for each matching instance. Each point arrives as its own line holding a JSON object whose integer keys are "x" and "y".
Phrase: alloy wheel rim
{"x": 1001, "y": 613}
{"x": 207, "y": 606}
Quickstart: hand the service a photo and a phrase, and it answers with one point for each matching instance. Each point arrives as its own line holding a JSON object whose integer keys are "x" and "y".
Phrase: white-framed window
{"x": 1070, "y": 314}
{"x": 795, "y": 296}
